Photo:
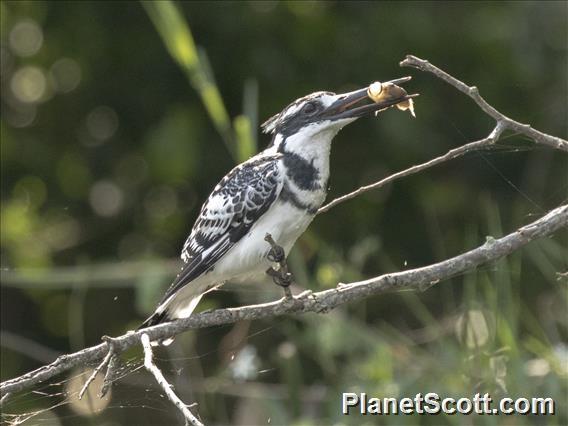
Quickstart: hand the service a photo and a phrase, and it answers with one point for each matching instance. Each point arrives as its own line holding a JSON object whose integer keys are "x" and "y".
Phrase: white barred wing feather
{"x": 233, "y": 207}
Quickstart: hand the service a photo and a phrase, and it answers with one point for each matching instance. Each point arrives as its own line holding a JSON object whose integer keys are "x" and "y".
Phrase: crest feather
{"x": 270, "y": 125}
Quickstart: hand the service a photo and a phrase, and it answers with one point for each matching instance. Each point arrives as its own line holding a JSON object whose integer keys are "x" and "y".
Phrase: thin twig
{"x": 110, "y": 375}
{"x": 412, "y": 279}
{"x": 102, "y": 365}
{"x": 454, "y": 153}
{"x": 153, "y": 368}
{"x": 473, "y": 93}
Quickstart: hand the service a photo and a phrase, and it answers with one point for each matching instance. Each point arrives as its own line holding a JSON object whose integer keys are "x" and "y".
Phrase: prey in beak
{"x": 383, "y": 95}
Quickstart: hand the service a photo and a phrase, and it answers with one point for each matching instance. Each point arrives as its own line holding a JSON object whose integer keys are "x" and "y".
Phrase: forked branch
{"x": 190, "y": 419}
{"x": 473, "y": 92}
{"x": 502, "y": 123}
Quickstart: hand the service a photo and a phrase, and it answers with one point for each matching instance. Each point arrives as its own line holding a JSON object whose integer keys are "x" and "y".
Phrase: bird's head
{"x": 321, "y": 115}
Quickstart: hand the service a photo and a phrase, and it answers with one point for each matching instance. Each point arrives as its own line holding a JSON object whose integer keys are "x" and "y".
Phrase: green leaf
{"x": 245, "y": 142}
{"x": 177, "y": 37}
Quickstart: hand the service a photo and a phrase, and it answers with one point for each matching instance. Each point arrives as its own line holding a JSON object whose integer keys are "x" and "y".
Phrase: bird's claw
{"x": 280, "y": 277}
{"x": 279, "y": 274}
{"x": 276, "y": 254}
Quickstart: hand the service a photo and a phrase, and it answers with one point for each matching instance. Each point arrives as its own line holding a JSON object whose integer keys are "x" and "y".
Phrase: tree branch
{"x": 419, "y": 278}
{"x": 454, "y": 153}
{"x": 96, "y": 371}
{"x": 473, "y": 93}
{"x": 153, "y": 368}
{"x": 502, "y": 123}
{"x": 111, "y": 355}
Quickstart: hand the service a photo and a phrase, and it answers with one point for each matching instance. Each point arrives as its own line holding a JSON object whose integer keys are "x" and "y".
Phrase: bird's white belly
{"x": 248, "y": 257}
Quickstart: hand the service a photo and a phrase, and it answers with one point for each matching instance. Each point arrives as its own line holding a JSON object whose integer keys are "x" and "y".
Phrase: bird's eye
{"x": 309, "y": 108}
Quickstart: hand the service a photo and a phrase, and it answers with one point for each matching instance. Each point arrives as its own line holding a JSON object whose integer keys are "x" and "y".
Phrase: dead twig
{"x": 473, "y": 93}
{"x": 190, "y": 419}
{"x": 96, "y": 371}
{"x": 450, "y": 155}
{"x": 110, "y": 356}
{"x": 110, "y": 375}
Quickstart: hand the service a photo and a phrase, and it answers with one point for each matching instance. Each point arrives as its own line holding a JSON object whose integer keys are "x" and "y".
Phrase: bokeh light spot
{"x": 106, "y": 198}
{"x": 63, "y": 233}
{"x": 20, "y": 115}
{"x": 26, "y": 38}
{"x": 28, "y": 84}
{"x": 102, "y": 123}
{"x": 91, "y": 403}
{"x": 16, "y": 222}
{"x": 245, "y": 365}
{"x": 65, "y": 74}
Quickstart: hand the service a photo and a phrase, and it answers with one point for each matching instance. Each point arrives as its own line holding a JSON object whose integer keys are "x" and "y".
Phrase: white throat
{"x": 312, "y": 144}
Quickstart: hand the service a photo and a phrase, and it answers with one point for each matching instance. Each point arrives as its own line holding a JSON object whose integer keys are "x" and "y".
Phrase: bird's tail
{"x": 169, "y": 313}
{"x": 155, "y": 319}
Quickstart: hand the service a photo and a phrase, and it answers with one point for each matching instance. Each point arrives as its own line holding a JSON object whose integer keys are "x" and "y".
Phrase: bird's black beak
{"x": 350, "y": 105}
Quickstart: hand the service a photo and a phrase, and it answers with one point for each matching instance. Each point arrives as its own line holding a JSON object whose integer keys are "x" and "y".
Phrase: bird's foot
{"x": 279, "y": 273}
{"x": 279, "y": 277}
{"x": 276, "y": 253}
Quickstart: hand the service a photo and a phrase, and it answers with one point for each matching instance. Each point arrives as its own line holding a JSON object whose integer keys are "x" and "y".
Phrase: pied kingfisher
{"x": 278, "y": 192}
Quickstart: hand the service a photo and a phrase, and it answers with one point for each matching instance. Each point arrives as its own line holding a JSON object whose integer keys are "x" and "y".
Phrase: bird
{"x": 276, "y": 192}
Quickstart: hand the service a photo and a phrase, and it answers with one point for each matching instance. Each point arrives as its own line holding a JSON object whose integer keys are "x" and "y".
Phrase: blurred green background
{"x": 118, "y": 118}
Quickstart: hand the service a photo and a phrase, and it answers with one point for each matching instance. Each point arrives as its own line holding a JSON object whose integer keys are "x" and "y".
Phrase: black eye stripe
{"x": 295, "y": 116}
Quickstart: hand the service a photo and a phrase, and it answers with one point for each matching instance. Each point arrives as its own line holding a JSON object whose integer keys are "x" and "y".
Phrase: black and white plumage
{"x": 278, "y": 191}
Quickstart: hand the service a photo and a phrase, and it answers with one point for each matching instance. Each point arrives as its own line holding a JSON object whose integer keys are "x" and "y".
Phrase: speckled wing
{"x": 233, "y": 207}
